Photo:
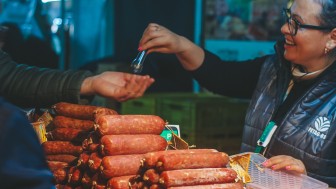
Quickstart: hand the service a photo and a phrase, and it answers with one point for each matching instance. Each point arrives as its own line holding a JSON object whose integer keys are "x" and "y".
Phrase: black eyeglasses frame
{"x": 287, "y": 13}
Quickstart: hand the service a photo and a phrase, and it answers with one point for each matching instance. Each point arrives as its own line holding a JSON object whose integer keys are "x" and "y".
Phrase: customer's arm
{"x": 28, "y": 86}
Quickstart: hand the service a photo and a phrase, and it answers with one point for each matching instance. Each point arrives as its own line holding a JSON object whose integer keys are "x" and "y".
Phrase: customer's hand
{"x": 116, "y": 85}
{"x": 288, "y": 163}
{"x": 157, "y": 38}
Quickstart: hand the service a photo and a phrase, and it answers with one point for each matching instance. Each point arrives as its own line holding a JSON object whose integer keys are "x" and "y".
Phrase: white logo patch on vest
{"x": 322, "y": 124}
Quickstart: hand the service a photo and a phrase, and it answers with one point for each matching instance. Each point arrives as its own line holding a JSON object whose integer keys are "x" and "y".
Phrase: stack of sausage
{"x": 115, "y": 149}
{"x": 187, "y": 169}
{"x": 70, "y": 127}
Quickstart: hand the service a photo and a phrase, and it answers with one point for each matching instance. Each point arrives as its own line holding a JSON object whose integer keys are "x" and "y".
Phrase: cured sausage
{"x": 151, "y": 176}
{"x": 62, "y": 158}
{"x": 94, "y": 162}
{"x": 54, "y": 165}
{"x": 98, "y": 182}
{"x": 120, "y": 165}
{"x": 192, "y": 161}
{"x": 73, "y": 123}
{"x": 83, "y": 160}
{"x": 103, "y": 111}
{"x": 236, "y": 185}
{"x": 91, "y": 143}
{"x": 61, "y": 147}
{"x": 67, "y": 134}
{"x": 87, "y": 179}
{"x": 60, "y": 175}
{"x": 121, "y": 182}
{"x": 77, "y": 111}
{"x": 155, "y": 186}
{"x": 75, "y": 176}
{"x": 151, "y": 158}
{"x": 131, "y": 144}
{"x": 187, "y": 177}
{"x": 129, "y": 124}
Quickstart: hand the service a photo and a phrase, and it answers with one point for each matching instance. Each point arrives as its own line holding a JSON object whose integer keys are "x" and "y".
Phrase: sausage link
{"x": 61, "y": 147}
{"x": 75, "y": 176}
{"x": 87, "y": 179}
{"x": 62, "y": 158}
{"x": 54, "y": 165}
{"x": 120, "y": 165}
{"x": 151, "y": 176}
{"x": 187, "y": 177}
{"x": 94, "y": 162}
{"x": 131, "y": 144}
{"x": 129, "y": 124}
{"x": 155, "y": 186}
{"x": 151, "y": 158}
{"x": 98, "y": 182}
{"x": 67, "y": 134}
{"x": 121, "y": 182}
{"x": 91, "y": 143}
{"x": 60, "y": 175}
{"x": 77, "y": 111}
{"x": 236, "y": 185}
{"x": 83, "y": 160}
{"x": 103, "y": 111}
{"x": 73, "y": 123}
{"x": 192, "y": 161}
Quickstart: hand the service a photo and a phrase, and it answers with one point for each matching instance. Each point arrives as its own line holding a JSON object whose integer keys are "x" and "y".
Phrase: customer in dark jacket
{"x": 22, "y": 160}
{"x": 29, "y": 86}
{"x": 293, "y": 89}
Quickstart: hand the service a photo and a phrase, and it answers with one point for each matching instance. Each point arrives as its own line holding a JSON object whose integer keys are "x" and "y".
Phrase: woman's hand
{"x": 284, "y": 162}
{"x": 116, "y": 85}
{"x": 159, "y": 39}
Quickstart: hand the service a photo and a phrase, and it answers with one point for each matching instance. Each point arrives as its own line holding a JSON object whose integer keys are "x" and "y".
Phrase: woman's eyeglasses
{"x": 294, "y": 25}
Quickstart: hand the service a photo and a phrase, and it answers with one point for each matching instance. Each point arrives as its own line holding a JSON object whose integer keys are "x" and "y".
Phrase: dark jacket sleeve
{"x": 229, "y": 78}
{"x": 23, "y": 164}
{"x": 28, "y": 86}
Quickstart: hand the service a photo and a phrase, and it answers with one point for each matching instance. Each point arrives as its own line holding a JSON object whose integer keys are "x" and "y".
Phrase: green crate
{"x": 207, "y": 121}
{"x": 151, "y": 103}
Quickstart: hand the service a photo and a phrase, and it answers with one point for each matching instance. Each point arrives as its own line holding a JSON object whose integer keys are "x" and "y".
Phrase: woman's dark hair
{"x": 328, "y": 16}
{"x": 328, "y": 12}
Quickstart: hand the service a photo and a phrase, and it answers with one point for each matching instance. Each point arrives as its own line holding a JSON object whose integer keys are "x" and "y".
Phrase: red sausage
{"x": 62, "y": 158}
{"x": 129, "y": 124}
{"x": 87, "y": 179}
{"x": 192, "y": 161}
{"x": 68, "y": 122}
{"x": 121, "y": 182}
{"x": 54, "y": 165}
{"x": 60, "y": 175}
{"x": 98, "y": 182}
{"x": 75, "y": 176}
{"x": 91, "y": 143}
{"x": 151, "y": 158}
{"x": 77, "y": 111}
{"x": 61, "y": 147}
{"x": 212, "y": 186}
{"x": 94, "y": 162}
{"x": 155, "y": 186}
{"x": 67, "y": 134}
{"x": 131, "y": 144}
{"x": 120, "y": 165}
{"x": 151, "y": 176}
{"x": 103, "y": 111}
{"x": 187, "y": 177}
{"x": 83, "y": 160}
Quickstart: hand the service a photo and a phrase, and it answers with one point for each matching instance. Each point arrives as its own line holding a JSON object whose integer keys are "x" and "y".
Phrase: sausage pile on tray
{"x": 94, "y": 147}
{"x": 192, "y": 168}
{"x": 70, "y": 127}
